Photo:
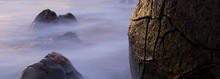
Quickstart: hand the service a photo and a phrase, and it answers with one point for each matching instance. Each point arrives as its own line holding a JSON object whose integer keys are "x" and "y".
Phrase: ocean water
{"x": 102, "y": 52}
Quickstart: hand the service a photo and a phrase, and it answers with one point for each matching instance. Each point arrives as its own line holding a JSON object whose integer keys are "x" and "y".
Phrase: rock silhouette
{"x": 52, "y": 66}
{"x": 175, "y": 39}
{"x": 48, "y": 18}
{"x": 69, "y": 17}
{"x": 48, "y": 22}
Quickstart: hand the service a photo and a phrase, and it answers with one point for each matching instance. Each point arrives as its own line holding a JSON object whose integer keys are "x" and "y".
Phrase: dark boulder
{"x": 175, "y": 39}
{"x": 52, "y": 66}
{"x": 69, "y": 17}
{"x": 48, "y": 18}
{"x": 47, "y": 22}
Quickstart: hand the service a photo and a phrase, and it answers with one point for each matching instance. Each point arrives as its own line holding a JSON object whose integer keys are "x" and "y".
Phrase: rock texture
{"x": 175, "y": 39}
{"x": 53, "y": 66}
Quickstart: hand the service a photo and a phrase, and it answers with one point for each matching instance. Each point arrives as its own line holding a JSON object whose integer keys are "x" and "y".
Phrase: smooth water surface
{"x": 102, "y": 29}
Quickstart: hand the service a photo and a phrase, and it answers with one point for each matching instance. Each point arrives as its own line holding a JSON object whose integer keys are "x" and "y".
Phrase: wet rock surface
{"x": 52, "y": 66}
{"x": 175, "y": 39}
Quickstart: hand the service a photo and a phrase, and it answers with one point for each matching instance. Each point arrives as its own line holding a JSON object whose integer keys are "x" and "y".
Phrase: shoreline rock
{"x": 48, "y": 18}
{"x": 52, "y": 66}
{"x": 175, "y": 39}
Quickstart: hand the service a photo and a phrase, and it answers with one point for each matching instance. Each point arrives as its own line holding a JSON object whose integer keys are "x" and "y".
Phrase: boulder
{"x": 69, "y": 17}
{"x": 47, "y": 22}
{"x": 52, "y": 66}
{"x": 175, "y": 39}
{"x": 48, "y": 18}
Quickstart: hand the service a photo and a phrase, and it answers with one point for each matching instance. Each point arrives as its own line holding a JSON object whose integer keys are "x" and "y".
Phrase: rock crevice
{"x": 172, "y": 39}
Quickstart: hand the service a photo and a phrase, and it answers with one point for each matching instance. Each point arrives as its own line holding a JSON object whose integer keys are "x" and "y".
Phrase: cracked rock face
{"x": 175, "y": 39}
{"x": 53, "y": 66}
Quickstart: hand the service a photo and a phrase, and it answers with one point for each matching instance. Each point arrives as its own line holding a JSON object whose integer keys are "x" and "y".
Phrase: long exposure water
{"x": 101, "y": 54}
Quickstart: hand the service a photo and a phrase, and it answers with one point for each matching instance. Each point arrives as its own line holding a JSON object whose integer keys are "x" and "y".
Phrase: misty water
{"x": 102, "y": 52}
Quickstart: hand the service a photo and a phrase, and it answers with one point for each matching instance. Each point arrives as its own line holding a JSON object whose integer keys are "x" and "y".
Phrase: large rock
{"x": 48, "y": 18}
{"x": 53, "y": 66}
{"x": 49, "y": 24}
{"x": 175, "y": 39}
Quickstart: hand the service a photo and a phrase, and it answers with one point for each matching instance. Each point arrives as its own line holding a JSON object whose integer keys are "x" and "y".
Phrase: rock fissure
{"x": 181, "y": 40}
{"x": 155, "y": 44}
{"x": 145, "y": 46}
{"x": 143, "y": 17}
{"x": 159, "y": 30}
{"x": 158, "y": 33}
{"x": 164, "y": 36}
{"x": 187, "y": 39}
{"x": 162, "y": 10}
{"x": 199, "y": 67}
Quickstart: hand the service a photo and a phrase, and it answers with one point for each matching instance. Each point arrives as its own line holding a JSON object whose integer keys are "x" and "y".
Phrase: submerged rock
{"x": 49, "y": 18}
{"x": 67, "y": 40}
{"x": 52, "y": 66}
{"x": 71, "y": 36}
{"x": 175, "y": 39}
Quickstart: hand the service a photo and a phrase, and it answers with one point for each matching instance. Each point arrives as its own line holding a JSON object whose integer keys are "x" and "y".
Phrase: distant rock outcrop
{"x": 49, "y": 18}
{"x": 175, "y": 39}
{"x": 47, "y": 22}
{"x": 67, "y": 18}
{"x": 61, "y": 41}
{"x": 46, "y": 16}
{"x": 52, "y": 66}
{"x": 67, "y": 36}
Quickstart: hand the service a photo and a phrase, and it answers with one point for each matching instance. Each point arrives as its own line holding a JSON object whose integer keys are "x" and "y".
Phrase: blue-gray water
{"x": 103, "y": 53}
